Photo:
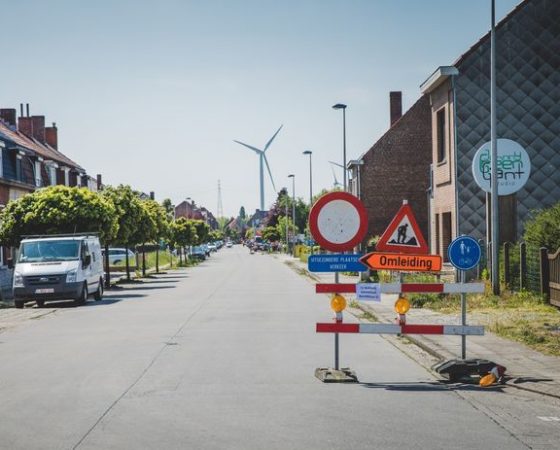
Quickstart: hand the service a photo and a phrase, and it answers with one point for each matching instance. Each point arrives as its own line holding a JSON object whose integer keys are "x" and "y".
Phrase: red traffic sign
{"x": 338, "y": 221}
{"x": 403, "y": 234}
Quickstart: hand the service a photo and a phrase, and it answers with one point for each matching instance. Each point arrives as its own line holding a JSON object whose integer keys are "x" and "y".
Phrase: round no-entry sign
{"x": 338, "y": 221}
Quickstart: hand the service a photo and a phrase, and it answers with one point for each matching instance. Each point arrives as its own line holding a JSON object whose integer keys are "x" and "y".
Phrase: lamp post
{"x": 293, "y": 177}
{"x": 343, "y": 107}
{"x": 309, "y": 152}
{"x": 287, "y": 224}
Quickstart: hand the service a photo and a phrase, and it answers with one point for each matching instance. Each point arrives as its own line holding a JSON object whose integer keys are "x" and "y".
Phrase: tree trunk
{"x": 157, "y": 259}
{"x": 144, "y": 259}
{"x": 127, "y": 263}
{"x": 180, "y": 256}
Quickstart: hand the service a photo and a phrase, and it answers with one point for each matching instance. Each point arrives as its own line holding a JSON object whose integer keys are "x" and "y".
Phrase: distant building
{"x": 528, "y": 112}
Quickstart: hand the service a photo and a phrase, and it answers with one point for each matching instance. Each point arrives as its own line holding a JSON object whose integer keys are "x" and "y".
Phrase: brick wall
{"x": 397, "y": 167}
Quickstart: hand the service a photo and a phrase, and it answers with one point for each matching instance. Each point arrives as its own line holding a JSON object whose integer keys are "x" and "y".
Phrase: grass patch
{"x": 523, "y": 316}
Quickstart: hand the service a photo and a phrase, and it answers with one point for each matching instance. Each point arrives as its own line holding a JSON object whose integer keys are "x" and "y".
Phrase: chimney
{"x": 25, "y": 126}
{"x": 152, "y": 195}
{"x": 395, "y": 101}
{"x": 99, "y": 182}
{"x": 39, "y": 128}
{"x": 8, "y": 115}
{"x": 51, "y": 136}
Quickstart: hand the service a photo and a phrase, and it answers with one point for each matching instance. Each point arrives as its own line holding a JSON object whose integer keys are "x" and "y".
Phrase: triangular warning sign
{"x": 403, "y": 234}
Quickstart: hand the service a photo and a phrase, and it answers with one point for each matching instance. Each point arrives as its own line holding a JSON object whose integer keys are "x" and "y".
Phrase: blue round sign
{"x": 464, "y": 253}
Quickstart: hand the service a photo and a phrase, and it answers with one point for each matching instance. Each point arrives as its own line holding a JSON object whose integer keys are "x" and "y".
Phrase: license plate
{"x": 44, "y": 291}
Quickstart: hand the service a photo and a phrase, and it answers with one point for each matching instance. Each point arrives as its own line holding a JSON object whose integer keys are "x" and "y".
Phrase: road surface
{"x": 222, "y": 356}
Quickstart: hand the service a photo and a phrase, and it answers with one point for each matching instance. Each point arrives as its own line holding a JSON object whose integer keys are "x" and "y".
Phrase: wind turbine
{"x": 262, "y": 162}
{"x": 336, "y": 183}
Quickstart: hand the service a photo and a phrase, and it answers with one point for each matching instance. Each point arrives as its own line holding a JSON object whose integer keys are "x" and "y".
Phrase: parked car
{"x": 117, "y": 257}
{"x": 212, "y": 247}
{"x": 198, "y": 253}
{"x": 58, "y": 268}
{"x": 229, "y": 244}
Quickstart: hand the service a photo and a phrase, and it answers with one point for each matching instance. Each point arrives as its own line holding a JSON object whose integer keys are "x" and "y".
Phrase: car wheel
{"x": 99, "y": 293}
{"x": 40, "y": 303}
{"x": 83, "y": 297}
{"x": 18, "y": 304}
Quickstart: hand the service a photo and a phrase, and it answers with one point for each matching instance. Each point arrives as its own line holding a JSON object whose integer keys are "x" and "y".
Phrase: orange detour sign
{"x": 403, "y": 234}
{"x": 405, "y": 262}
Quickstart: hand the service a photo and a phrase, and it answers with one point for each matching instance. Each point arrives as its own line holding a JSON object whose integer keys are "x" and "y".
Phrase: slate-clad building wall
{"x": 528, "y": 111}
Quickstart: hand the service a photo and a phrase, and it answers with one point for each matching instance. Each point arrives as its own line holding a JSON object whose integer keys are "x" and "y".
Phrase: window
{"x": 440, "y": 123}
{"x": 446, "y": 235}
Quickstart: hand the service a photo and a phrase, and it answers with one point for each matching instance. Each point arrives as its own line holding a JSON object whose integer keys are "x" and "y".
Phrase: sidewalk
{"x": 526, "y": 368}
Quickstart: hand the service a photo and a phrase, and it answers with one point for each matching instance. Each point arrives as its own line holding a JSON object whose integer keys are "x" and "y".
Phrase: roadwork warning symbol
{"x": 403, "y": 234}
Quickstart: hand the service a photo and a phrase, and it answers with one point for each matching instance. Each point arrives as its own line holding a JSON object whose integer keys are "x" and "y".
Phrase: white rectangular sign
{"x": 370, "y": 292}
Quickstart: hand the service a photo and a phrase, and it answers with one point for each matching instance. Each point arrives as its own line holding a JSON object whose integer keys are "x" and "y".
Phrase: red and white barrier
{"x": 398, "y": 288}
{"x": 388, "y": 328}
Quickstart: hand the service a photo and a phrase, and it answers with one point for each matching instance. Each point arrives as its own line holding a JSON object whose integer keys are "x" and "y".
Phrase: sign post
{"x": 464, "y": 254}
{"x": 338, "y": 222}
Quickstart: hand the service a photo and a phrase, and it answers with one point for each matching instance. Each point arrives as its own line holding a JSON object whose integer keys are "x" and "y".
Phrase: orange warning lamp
{"x": 338, "y": 303}
{"x": 402, "y": 305}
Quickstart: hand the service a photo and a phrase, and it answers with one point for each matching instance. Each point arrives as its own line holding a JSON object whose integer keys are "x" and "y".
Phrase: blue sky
{"x": 152, "y": 94}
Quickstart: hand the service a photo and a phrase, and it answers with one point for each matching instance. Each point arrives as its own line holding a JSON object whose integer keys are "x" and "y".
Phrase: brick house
{"x": 396, "y": 167}
{"x": 528, "y": 112}
{"x": 29, "y": 160}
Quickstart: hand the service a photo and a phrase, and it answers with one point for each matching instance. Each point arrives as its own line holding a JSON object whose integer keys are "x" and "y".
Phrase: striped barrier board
{"x": 388, "y": 328}
{"x": 397, "y": 288}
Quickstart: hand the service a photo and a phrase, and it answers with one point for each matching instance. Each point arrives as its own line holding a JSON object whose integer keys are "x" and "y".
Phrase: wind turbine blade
{"x": 336, "y": 183}
{"x": 269, "y": 172}
{"x": 256, "y": 150}
{"x": 272, "y": 138}
{"x": 336, "y": 164}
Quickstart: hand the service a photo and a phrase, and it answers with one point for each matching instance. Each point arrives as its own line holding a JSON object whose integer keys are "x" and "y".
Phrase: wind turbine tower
{"x": 262, "y": 162}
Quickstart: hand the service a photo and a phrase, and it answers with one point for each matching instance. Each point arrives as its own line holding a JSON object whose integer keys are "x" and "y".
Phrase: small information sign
{"x": 335, "y": 263}
{"x": 370, "y": 292}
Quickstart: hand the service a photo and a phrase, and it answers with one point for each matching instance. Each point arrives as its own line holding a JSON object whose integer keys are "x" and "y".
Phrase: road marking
{"x": 549, "y": 418}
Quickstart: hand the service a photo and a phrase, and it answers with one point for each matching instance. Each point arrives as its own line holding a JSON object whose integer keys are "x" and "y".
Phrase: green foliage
{"x": 543, "y": 229}
{"x": 160, "y": 220}
{"x": 202, "y": 231}
{"x": 281, "y": 227}
{"x": 57, "y": 210}
{"x": 271, "y": 234}
{"x": 133, "y": 219}
{"x": 182, "y": 233}
{"x": 250, "y": 233}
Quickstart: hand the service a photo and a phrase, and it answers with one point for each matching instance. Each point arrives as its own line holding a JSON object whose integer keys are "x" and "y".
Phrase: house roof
{"x": 484, "y": 38}
{"x": 44, "y": 150}
{"x": 380, "y": 144}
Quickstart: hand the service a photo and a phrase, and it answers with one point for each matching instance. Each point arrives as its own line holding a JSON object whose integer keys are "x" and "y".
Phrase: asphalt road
{"x": 222, "y": 356}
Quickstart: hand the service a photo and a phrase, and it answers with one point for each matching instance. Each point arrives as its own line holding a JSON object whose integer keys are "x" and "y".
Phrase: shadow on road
{"x": 430, "y": 387}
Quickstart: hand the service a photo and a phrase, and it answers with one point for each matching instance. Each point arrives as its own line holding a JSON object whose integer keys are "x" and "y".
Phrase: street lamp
{"x": 343, "y": 107}
{"x": 309, "y": 152}
{"x": 293, "y": 177}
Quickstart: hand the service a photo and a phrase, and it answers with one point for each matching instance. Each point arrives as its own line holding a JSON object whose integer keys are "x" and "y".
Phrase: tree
{"x": 281, "y": 227}
{"x": 182, "y": 234}
{"x": 135, "y": 222}
{"x": 543, "y": 229}
{"x": 58, "y": 210}
{"x": 161, "y": 222}
{"x": 278, "y": 209}
{"x": 202, "y": 231}
{"x": 169, "y": 209}
{"x": 271, "y": 234}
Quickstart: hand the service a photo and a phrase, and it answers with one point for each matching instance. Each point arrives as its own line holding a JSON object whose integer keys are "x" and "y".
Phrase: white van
{"x": 58, "y": 267}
